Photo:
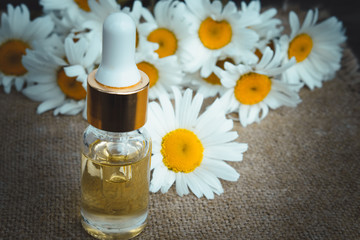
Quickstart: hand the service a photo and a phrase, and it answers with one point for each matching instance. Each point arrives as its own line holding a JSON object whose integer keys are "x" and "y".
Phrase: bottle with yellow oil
{"x": 116, "y": 148}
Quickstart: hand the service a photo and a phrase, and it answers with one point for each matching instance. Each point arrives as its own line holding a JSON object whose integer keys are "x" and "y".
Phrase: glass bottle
{"x": 116, "y": 149}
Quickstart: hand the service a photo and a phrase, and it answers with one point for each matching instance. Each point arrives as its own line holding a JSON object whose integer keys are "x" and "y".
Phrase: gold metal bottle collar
{"x": 117, "y": 109}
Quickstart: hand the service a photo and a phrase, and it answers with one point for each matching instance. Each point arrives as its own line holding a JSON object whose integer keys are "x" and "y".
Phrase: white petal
{"x": 195, "y": 108}
{"x": 294, "y": 23}
{"x": 209, "y": 178}
{"x": 191, "y": 181}
{"x": 207, "y": 132}
{"x": 308, "y": 19}
{"x": 71, "y": 50}
{"x": 40, "y": 28}
{"x": 220, "y": 138}
{"x": 42, "y": 92}
{"x": 6, "y": 81}
{"x": 50, "y": 104}
{"x": 156, "y": 159}
{"x": 74, "y": 70}
{"x": 253, "y": 114}
{"x": 70, "y": 108}
{"x": 19, "y": 83}
{"x": 168, "y": 111}
{"x": 243, "y": 114}
{"x": 205, "y": 188}
{"x": 157, "y": 178}
{"x": 197, "y": 8}
{"x": 169, "y": 179}
{"x": 7, "y": 88}
{"x": 264, "y": 110}
{"x": 229, "y": 8}
{"x": 156, "y": 118}
{"x": 230, "y": 151}
{"x": 181, "y": 185}
{"x": 221, "y": 170}
{"x": 185, "y": 106}
{"x": 266, "y": 58}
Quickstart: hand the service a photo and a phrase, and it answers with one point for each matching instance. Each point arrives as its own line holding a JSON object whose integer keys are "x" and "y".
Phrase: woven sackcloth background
{"x": 300, "y": 178}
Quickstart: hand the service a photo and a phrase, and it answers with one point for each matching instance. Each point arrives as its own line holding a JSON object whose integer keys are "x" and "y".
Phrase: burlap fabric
{"x": 299, "y": 178}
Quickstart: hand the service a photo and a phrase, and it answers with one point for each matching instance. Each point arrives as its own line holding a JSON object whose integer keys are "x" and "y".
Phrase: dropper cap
{"x": 117, "y": 92}
{"x": 118, "y": 68}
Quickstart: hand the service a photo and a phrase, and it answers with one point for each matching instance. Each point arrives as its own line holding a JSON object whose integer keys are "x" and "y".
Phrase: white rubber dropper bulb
{"x": 118, "y": 67}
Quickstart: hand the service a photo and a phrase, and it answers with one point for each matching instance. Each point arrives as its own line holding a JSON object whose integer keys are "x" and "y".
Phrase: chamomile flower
{"x": 49, "y": 83}
{"x": 188, "y": 150}
{"x": 163, "y": 73}
{"x": 167, "y": 27}
{"x": 217, "y": 31}
{"x": 253, "y": 89}
{"x": 17, "y": 34}
{"x": 316, "y": 47}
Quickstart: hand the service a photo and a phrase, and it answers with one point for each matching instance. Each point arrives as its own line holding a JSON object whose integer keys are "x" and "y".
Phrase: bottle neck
{"x": 100, "y": 132}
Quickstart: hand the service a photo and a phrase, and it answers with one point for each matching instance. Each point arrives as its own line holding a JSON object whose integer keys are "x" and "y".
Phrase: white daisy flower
{"x": 253, "y": 89}
{"x": 163, "y": 73}
{"x": 167, "y": 27}
{"x": 49, "y": 83}
{"x": 264, "y": 24}
{"x": 316, "y": 47}
{"x": 188, "y": 150}
{"x": 18, "y": 33}
{"x": 217, "y": 31}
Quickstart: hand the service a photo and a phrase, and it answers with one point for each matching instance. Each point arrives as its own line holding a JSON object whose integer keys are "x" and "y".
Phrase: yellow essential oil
{"x": 114, "y": 190}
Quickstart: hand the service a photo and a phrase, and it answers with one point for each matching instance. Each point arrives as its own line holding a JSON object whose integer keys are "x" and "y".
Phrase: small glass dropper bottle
{"x": 116, "y": 149}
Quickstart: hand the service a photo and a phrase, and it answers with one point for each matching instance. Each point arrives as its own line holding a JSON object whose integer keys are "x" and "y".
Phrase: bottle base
{"x": 112, "y": 233}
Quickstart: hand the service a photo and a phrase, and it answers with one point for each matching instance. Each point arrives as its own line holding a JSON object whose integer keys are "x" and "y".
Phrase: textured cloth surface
{"x": 299, "y": 178}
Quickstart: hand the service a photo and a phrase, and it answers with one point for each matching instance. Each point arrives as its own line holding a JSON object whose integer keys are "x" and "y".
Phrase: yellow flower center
{"x": 215, "y": 34}
{"x": 300, "y": 47}
{"x": 69, "y": 86}
{"x": 83, "y": 4}
{"x": 166, "y": 39}
{"x": 182, "y": 150}
{"x": 213, "y": 79}
{"x": 252, "y": 88}
{"x": 11, "y": 53}
{"x": 150, "y": 70}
